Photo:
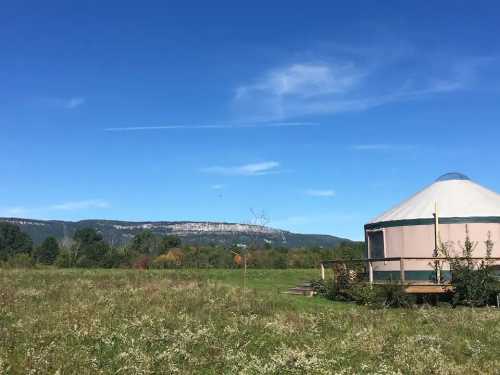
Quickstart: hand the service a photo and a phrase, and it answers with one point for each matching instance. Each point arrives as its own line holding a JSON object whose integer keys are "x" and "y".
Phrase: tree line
{"x": 88, "y": 249}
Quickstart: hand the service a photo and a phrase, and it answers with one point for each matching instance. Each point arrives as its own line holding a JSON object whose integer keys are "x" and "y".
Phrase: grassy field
{"x": 142, "y": 322}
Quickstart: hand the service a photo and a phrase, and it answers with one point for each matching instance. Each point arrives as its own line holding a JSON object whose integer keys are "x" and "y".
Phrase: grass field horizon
{"x": 200, "y": 321}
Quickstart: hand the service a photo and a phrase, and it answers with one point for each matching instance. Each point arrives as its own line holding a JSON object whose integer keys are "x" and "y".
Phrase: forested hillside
{"x": 193, "y": 233}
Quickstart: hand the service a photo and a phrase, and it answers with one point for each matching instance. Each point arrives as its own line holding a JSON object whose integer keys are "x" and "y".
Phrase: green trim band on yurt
{"x": 441, "y": 212}
{"x": 442, "y": 220}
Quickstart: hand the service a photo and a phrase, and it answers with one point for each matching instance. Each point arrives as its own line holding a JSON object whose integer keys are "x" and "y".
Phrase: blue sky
{"x": 321, "y": 115}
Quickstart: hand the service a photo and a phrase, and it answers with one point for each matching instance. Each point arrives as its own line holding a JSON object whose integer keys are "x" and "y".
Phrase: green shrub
{"x": 319, "y": 287}
{"x": 474, "y": 282}
{"x": 20, "y": 260}
{"x": 13, "y": 241}
{"x": 389, "y": 295}
{"x": 65, "y": 259}
{"x": 394, "y": 295}
{"x": 366, "y": 294}
{"x": 47, "y": 251}
{"x": 337, "y": 291}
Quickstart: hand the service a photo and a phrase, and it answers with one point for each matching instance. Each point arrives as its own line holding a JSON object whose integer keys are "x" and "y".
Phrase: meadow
{"x": 74, "y": 321}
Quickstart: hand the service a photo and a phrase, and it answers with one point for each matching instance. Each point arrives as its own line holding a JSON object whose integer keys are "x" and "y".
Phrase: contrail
{"x": 215, "y": 126}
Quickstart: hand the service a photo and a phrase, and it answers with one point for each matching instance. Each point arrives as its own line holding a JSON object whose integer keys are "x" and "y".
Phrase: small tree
{"x": 143, "y": 262}
{"x": 48, "y": 251}
{"x": 161, "y": 262}
{"x": 13, "y": 241}
{"x": 65, "y": 259}
{"x": 89, "y": 249}
{"x": 175, "y": 256}
{"x": 145, "y": 242}
{"x": 169, "y": 242}
{"x": 474, "y": 281}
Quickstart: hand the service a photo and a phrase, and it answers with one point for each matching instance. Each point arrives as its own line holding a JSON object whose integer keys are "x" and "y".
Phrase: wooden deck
{"x": 411, "y": 287}
{"x": 428, "y": 288}
{"x": 418, "y": 287}
{"x": 414, "y": 286}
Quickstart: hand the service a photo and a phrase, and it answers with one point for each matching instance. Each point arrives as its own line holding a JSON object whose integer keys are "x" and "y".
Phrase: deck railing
{"x": 402, "y": 262}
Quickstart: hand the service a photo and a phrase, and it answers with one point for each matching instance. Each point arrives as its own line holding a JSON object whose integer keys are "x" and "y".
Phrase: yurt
{"x": 440, "y": 213}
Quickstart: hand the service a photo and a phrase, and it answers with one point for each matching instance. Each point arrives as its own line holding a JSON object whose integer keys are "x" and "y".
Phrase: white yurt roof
{"x": 456, "y": 196}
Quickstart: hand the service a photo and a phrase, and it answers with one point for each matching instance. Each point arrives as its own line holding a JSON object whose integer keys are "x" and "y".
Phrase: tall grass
{"x": 143, "y": 322}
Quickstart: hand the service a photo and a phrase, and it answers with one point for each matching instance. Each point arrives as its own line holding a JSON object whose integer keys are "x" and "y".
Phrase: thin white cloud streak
{"x": 331, "y": 87}
{"x": 325, "y": 193}
{"x": 65, "y": 206}
{"x": 65, "y": 103}
{"x": 382, "y": 147}
{"x": 254, "y": 169}
{"x": 215, "y": 126}
{"x": 80, "y": 205}
{"x": 74, "y": 102}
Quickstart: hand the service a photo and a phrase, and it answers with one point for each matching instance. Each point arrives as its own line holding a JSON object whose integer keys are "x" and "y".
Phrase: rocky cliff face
{"x": 185, "y": 228}
{"x": 225, "y": 234}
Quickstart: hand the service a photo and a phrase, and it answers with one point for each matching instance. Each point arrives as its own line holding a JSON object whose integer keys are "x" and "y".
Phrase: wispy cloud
{"x": 65, "y": 103}
{"x": 213, "y": 126}
{"x": 74, "y": 102}
{"x": 305, "y": 80}
{"x": 65, "y": 206}
{"x": 254, "y": 169}
{"x": 349, "y": 84}
{"x": 14, "y": 211}
{"x": 80, "y": 205}
{"x": 320, "y": 193}
{"x": 217, "y": 187}
{"x": 382, "y": 147}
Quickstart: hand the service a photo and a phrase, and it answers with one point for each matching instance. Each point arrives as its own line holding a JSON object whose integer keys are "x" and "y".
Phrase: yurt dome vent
{"x": 453, "y": 176}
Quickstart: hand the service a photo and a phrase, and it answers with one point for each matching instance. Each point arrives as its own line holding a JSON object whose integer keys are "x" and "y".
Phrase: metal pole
{"x": 370, "y": 271}
{"x": 322, "y": 268}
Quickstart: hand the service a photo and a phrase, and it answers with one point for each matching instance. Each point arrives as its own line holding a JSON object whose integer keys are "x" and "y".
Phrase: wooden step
{"x": 299, "y": 293}
{"x": 306, "y": 284}
{"x": 302, "y": 289}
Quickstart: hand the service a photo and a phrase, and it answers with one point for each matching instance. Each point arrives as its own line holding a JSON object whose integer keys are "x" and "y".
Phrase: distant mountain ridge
{"x": 191, "y": 232}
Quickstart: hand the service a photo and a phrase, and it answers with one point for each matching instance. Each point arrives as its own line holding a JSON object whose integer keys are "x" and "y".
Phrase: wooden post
{"x": 402, "y": 270}
{"x": 370, "y": 272}
{"x": 322, "y": 268}
{"x": 436, "y": 243}
{"x": 245, "y": 274}
{"x": 436, "y": 228}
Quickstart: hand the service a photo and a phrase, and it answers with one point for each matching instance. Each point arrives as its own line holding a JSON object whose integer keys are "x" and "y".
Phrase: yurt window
{"x": 376, "y": 243}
